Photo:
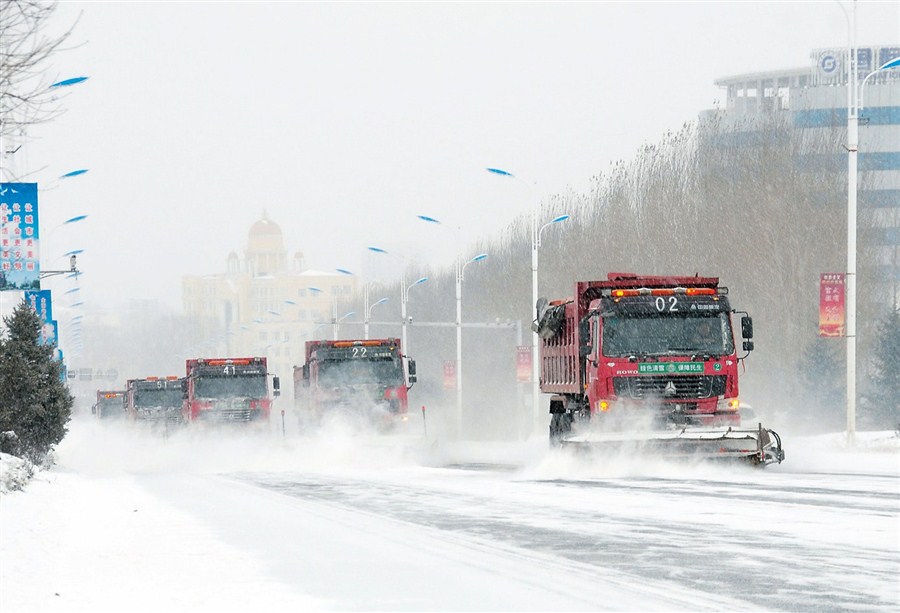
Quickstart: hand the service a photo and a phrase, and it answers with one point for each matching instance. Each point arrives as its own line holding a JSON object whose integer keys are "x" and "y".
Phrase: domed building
{"x": 263, "y": 305}
{"x": 265, "y": 248}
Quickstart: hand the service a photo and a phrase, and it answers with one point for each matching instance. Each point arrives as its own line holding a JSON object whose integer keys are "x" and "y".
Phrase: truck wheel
{"x": 560, "y": 427}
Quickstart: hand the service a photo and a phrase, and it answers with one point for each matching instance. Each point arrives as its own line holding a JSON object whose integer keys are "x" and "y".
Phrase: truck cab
{"x": 647, "y": 350}
{"x": 110, "y": 404}
{"x": 154, "y": 399}
{"x": 219, "y": 390}
{"x": 369, "y": 378}
{"x": 670, "y": 347}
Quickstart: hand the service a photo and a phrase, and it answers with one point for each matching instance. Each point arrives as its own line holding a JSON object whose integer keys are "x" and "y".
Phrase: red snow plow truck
{"x": 220, "y": 390}
{"x": 154, "y": 399}
{"x": 110, "y": 404}
{"x": 367, "y": 378}
{"x": 650, "y": 363}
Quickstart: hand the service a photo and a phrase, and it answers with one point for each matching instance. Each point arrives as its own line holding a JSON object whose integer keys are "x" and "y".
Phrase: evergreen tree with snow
{"x": 35, "y": 403}
{"x": 822, "y": 377}
{"x": 886, "y": 381}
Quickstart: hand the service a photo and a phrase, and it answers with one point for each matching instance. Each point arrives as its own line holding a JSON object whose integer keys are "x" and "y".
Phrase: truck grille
{"x": 228, "y": 415}
{"x": 661, "y": 386}
{"x": 158, "y": 415}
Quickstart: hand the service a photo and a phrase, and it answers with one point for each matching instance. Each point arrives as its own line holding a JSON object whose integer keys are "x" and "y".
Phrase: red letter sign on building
{"x": 831, "y": 304}
{"x": 449, "y": 374}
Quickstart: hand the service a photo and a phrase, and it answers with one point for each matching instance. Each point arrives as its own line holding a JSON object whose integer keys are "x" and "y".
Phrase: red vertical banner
{"x": 831, "y": 304}
{"x": 449, "y": 374}
{"x": 523, "y": 364}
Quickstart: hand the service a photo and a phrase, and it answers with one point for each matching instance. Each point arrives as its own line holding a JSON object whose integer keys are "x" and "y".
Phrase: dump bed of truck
{"x": 562, "y": 369}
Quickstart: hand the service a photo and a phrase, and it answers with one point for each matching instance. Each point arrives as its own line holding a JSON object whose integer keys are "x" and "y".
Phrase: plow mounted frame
{"x": 760, "y": 446}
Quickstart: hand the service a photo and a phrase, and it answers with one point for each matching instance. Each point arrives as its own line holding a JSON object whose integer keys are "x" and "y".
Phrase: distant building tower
{"x": 260, "y": 306}
{"x": 815, "y": 99}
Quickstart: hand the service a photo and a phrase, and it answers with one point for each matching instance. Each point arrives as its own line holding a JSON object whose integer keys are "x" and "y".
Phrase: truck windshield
{"x": 341, "y": 373}
{"x": 667, "y": 335}
{"x": 157, "y": 398}
{"x": 111, "y": 406}
{"x": 231, "y": 387}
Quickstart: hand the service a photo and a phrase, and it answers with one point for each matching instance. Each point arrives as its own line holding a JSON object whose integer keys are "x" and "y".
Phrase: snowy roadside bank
{"x": 15, "y": 473}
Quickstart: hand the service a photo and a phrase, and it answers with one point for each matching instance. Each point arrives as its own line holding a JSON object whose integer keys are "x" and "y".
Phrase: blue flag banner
{"x": 20, "y": 260}
{"x": 50, "y": 333}
{"x": 40, "y": 302}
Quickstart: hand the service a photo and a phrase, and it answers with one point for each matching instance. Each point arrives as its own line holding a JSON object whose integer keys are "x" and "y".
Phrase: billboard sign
{"x": 19, "y": 255}
{"x": 523, "y": 363}
{"x": 831, "y": 304}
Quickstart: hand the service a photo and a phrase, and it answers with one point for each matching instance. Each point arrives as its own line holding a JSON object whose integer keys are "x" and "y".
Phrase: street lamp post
{"x": 72, "y": 255}
{"x": 70, "y": 220}
{"x": 460, "y": 274}
{"x": 460, "y": 271}
{"x": 855, "y": 97}
{"x": 69, "y": 82}
{"x": 369, "y": 311}
{"x": 535, "y": 340}
{"x": 315, "y": 292}
{"x": 535, "y": 350}
{"x": 73, "y": 264}
{"x": 404, "y": 289}
{"x": 8, "y": 149}
{"x": 404, "y": 300}
{"x": 337, "y": 321}
{"x": 334, "y": 318}
{"x": 854, "y": 105}
{"x": 852, "y": 151}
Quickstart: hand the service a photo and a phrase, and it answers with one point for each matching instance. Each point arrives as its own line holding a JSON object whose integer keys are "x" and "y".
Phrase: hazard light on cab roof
{"x": 646, "y": 291}
{"x": 369, "y": 343}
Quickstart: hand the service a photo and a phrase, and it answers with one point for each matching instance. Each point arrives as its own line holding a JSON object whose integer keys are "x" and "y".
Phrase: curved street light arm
{"x": 894, "y": 63}
{"x": 477, "y": 258}
{"x": 548, "y": 224}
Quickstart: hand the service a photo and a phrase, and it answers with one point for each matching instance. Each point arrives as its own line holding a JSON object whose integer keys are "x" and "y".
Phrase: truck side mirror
{"x": 184, "y": 389}
{"x": 747, "y": 326}
{"x": 748, "y": 345}
{"x": 276, "y": 386}
{"x": 305, "y": 375}
{"x": 412, "y": 371}
{"x": 584, "y": 336}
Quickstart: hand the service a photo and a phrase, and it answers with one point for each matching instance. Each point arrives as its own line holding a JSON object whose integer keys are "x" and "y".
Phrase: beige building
{"x": 264, "y": 304}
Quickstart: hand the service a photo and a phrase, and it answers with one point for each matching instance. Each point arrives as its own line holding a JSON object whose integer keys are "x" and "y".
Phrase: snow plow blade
{"x": 758, "y": 446}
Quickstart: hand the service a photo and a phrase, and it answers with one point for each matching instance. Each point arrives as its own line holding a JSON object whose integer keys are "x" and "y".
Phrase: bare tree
{"x": 28, "y": 95}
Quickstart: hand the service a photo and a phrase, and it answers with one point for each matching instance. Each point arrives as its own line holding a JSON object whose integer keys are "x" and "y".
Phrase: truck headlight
{"x": 728, "y": 404}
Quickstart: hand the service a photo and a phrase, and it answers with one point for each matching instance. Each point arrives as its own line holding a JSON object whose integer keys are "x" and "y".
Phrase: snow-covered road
{"x": 776, "y": 541}
{"x": 203, "y": 521}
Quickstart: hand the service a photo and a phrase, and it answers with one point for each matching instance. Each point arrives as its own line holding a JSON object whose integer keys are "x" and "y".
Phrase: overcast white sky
{"x": 344, "y": 121}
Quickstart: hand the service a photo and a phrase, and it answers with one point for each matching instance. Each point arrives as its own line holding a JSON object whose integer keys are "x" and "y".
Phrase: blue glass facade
{"x": 815, "y": 99}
